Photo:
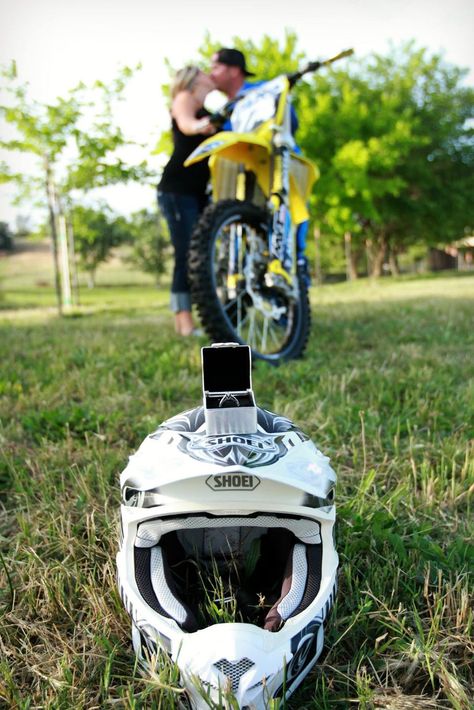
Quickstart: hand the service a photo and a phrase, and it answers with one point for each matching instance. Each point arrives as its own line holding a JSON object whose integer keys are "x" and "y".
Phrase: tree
{"x": 75, "y": 142}
{"x": 97, "y": 232}
{"x": 395, "y": 150}
{"x": 148, "y": 235}
{"x": 266, "y": 59}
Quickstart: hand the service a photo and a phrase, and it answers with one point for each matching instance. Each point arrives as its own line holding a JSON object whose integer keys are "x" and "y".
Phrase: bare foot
{"x": 184, "y": 323}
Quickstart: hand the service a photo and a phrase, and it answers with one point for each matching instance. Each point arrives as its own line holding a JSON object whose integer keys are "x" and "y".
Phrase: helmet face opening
{"x": 252, "y": 570}
{"x": 227, "y": 560}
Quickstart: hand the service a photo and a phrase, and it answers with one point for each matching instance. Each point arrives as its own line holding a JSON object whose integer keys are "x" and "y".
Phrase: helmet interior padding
{"x": 156, "y": 585}
{"x": 268, "y": 568}
{"x": 303, "y": 571}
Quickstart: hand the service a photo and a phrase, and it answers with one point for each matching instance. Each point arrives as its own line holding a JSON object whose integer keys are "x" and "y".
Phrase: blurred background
{"x": 121, "y": 55}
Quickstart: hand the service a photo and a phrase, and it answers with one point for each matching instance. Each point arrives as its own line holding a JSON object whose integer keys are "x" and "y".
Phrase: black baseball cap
{"x": 233, "y": 58}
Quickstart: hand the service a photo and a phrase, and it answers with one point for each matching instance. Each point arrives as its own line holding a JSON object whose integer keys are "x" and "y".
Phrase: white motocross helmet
{"x": 227, "y": 560}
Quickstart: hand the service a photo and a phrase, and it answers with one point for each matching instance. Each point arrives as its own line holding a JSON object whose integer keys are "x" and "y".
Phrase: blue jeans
{"x": 181, "y": 213}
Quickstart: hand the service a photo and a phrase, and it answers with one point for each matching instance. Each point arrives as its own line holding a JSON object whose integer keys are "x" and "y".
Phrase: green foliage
{"x": 76, "y": 135}
{"x": 148, "y": 234}
{"x": 96, "y": 233}
{"x": 41, "y": 129}
{"x": 398, "y": 174}
{"x": 164, "y": 143}
{"x": 266, "y": 59}
{"x": 76, "y": 143}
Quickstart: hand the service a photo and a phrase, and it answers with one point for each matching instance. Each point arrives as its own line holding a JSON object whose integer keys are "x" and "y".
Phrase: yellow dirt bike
{"x": 247, "y": 268}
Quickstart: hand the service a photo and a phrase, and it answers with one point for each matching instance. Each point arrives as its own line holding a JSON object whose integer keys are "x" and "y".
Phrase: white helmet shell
{"x": 227, "y": 559}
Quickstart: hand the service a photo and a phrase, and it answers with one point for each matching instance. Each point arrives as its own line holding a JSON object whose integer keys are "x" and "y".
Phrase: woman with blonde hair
{"x": 182, "y": 191}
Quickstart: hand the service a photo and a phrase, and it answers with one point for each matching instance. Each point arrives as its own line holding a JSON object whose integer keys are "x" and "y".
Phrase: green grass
{"x": 386, "y": 390}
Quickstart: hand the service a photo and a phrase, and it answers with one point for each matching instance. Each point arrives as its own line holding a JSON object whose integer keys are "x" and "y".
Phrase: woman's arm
{"x": 183, "y": 110}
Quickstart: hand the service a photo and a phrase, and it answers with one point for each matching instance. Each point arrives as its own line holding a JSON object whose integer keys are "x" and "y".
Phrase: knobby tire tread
{"x": 201, "y": 280}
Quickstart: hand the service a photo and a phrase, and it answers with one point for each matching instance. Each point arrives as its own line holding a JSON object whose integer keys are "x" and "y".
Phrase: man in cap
{"x": 229, "y": 72}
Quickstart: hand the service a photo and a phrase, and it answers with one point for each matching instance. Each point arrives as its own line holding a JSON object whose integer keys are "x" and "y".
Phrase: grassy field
{"x": 386, "y": 390}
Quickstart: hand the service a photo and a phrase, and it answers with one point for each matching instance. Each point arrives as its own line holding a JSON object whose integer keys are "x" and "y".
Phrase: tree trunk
{"x": 351, "y": 260}
{"x": 73, "y": 260}
{"x": 369, "y": 255}
{"x": 91, "y": 278}
{"x": 64, "y": 254}
{"x": 380, "y": 251}
{"x": 54, "y": 233}
{"x": 393, "y": 262}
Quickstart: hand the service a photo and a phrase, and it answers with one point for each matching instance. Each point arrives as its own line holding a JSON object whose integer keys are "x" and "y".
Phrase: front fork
{"x": 280, "y": 238}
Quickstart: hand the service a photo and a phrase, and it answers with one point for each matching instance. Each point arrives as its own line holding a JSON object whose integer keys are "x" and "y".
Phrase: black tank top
{"x": 176, "y": 178}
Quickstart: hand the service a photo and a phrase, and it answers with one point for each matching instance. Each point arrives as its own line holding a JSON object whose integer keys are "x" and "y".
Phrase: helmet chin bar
{"x": 229, "y": 402}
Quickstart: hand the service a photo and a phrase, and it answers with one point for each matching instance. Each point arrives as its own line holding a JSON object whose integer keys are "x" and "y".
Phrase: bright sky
{"x": 58, "y": 43}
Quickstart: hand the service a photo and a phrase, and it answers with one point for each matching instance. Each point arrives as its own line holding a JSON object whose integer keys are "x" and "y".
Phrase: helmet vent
{"x": 234, "y": 670}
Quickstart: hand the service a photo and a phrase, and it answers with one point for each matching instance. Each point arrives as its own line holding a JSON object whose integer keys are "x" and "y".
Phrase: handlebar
{"x": 314, "y": 66}
{"x": 219, "y": 118}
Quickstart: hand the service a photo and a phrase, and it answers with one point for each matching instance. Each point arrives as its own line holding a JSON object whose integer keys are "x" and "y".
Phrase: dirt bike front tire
{"x": 225, "y": 319}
